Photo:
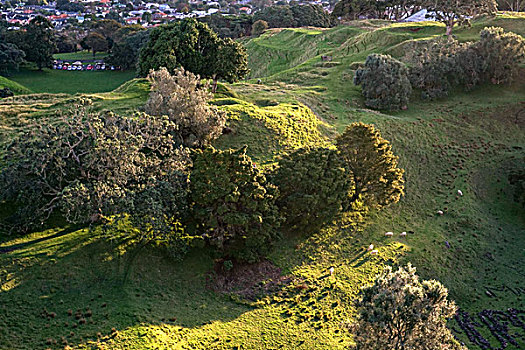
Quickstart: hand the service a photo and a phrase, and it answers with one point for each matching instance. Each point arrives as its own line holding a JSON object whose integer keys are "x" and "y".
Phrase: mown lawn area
{"x": 80, "y": 55}
{"x": 55, "y": 81}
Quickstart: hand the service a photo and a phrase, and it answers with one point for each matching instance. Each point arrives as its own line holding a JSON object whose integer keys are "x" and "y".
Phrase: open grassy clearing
{"x": 80, "y": 55}
{"x": 70, "y": 82}
{"x": 468, "y": 141}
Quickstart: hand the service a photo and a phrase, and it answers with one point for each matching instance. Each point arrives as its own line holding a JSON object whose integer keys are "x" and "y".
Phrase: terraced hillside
{"x": 134, "y": 298}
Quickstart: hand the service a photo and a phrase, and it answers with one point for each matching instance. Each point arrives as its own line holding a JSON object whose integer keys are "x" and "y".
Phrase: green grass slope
{"x": 70, "y": 82}
{"x": 15, "y": 87}
{"x": 133, "y": 298}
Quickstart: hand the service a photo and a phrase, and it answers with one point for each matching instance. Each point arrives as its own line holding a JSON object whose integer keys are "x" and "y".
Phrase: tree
{"x": 68, "y": 6}
{"x": 96, "y": 42}
{"x": 459, "y": 12}
{"x": 10, "y": 57}
{"x": 259, "y": 27}
{"x": 125, "y": 51}
{"x": 231, "y": 62}
{"x": 384, "y": 81}
{"x": 108, "y": 28}
{"x": 65, "y": 43}
{"x": 194, "y": 46}
{"x": 233, "y": 204}
{"x": 86, "y": 166}
{"x": 276, "y": 17}
{"x": 39, "y": 43}
{"x": 372, "y": 166}
{"x": 312, "y": 186}
{"x": 400, "y": 312}
{"x": 501, "y": 54}
{"x": 185, "y": 101}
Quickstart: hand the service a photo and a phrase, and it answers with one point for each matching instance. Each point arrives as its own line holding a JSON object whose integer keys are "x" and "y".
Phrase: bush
{"x": 401, "y": 312}
{"x": 233, "y": 204}
{"x": 501, "y": 54}
{"x": 312, "y": 186}
{"x": 86, "y": 166}
{"x": 259, "y": 27}
{"x": 384, "y": 82}
{"x": 184, "y": 100}
{"x": 372, "y": 166}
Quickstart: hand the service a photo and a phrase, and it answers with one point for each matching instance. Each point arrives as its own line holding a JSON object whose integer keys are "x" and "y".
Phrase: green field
{"x": 141, "y": 299}
{"x": 70, "y": 82}
{"x": 80, "y": 55}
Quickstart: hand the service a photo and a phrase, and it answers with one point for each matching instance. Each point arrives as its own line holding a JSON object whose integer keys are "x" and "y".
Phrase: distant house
{"x": 246, "y": 10}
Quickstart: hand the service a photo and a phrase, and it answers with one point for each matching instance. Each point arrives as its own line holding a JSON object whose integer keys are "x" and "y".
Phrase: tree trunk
{"x": 214, "y": 86}
{"x": 450, "y": 25}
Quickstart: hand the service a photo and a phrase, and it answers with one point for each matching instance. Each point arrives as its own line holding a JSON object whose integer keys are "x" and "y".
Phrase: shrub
{"x": 259, "y": 27}
{"x": 184, "y": 100}
{"x": 372, "y": 166}
{"x": 312, "y": 186}
{"x": 86, "y": 166}
{"x": 501, "y": 54}
{"x": 384, "y": 82}
{"x": 233, "y": 204}
{"x": 401, "y": 312}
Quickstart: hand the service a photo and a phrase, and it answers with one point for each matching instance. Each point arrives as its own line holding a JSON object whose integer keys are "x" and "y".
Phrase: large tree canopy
{"x": 39, "y": 43}
{"x": 197, "y": 48}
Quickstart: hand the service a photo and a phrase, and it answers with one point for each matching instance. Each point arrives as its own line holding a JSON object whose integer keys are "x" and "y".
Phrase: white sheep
{"x": 374, "y": 252}
{"x": 389, "y": 234}
{"x": 370, "y": 247}
{"x": 460, "y": 192}
{"x": 440, "y": 212}
{"x": 403, "y": 234}
{"x": 331, "y": 270}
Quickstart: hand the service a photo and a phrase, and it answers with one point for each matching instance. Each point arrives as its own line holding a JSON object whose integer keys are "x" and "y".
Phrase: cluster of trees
{"x": 159, "y": 170}
{"x": 36, "y": 41}
{"x": 197, "y": 48}
{"x": 450, "y": 12}
{"x": 435, "y": 66}
{"x": 285, "y": 16}
{"x": 390, "y": 9}
{"x": 399, "y": 311}
{"x": 229, "y": 26}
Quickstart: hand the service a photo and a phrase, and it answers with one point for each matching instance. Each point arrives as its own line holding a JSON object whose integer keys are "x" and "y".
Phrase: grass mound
{"x": 14, "y": 86}
{"x": 270, "y": 130}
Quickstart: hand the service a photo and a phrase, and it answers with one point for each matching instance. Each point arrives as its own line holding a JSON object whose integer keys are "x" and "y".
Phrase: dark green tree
{"x": 400, "y": 312}
{"x": 85, "y": 166}
{"x": 125, "y": 51}
{"x": 96, "y": 42}
{"x": 10, "y": 57}
{"x": 371, "y": 165}
{"x": 384, "y": 82}
{"x": 233, "y": 204}
{"x": 194, "y": 46}
{"x": 312, "y": 186}
{"x": 39, "y": 42}
{"x": 501, "y": 54}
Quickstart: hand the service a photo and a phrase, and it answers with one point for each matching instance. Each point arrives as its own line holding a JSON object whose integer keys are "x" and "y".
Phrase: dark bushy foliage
{"x": 437, "y": 65}
{"x": 86, "y": 166}
{"x": 501, "y": 53}
{"x": 384, "y": 82}
{"x": 233, "y": 204}
{"x": 312, "y": 186}
{"x": 372, "y": 166}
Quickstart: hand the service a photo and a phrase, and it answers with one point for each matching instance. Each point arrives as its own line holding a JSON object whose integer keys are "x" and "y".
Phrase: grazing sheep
{"x": 403, "y": 234}
{"x": 440, "y": 212}
{"x": 374, "y": 252}
{"x": 370, "y": 247}
{"x": 331, "y": 270}
{"x": 389, "y": 234}
{"x": 460, "y": 192}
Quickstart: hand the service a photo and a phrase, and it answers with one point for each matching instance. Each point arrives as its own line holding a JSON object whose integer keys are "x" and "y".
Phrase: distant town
{"x": 63, "y": 13}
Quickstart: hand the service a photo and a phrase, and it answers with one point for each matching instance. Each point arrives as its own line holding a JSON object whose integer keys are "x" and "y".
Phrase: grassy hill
{"x": 140, "y": 299}
{"x": 16, "y": 88}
